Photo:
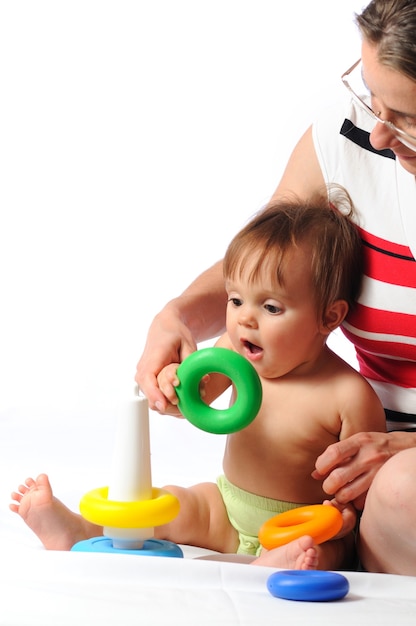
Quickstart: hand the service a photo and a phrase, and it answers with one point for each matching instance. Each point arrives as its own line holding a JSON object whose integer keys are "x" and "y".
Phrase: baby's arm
{"x": 348, "y": 467}
{"x": 361, "y": 409}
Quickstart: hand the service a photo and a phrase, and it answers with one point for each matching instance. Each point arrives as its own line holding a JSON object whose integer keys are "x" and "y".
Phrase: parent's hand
{"x": 168, "y": 341}
{"x": 348, "y": 467}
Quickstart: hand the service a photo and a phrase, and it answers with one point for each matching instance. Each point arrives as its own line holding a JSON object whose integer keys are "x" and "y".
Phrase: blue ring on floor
{"x": 308, "y": 585}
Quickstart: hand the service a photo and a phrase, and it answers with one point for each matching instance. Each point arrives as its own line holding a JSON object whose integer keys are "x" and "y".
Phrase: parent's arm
{"x": 199, "y": 312}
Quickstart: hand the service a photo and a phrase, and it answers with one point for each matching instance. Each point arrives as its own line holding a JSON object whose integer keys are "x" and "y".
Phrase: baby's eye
{"x": 272, "y": 308}
{"x": 235, "y": 301}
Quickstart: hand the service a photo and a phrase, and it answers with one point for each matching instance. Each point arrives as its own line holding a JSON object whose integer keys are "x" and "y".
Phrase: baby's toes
{"x": 29, "y": 484}
{"x": 16, "y": 497}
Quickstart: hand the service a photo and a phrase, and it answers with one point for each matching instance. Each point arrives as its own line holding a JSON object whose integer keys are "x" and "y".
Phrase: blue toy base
{"x": 151, "y": 547}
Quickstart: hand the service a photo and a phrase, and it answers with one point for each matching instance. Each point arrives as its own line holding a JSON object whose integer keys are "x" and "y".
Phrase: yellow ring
{"x": 320, "y": 521}
{"x": 161, "y": 509}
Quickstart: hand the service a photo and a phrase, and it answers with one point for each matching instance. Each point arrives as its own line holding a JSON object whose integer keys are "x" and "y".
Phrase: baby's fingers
{"x": 167, "y": 381}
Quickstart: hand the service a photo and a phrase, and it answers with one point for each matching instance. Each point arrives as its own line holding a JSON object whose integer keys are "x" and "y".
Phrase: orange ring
{"x": 320, "y": 521}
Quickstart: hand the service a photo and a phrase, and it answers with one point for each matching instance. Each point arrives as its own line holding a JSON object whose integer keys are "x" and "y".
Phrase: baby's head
{"x": 325, "y": 232}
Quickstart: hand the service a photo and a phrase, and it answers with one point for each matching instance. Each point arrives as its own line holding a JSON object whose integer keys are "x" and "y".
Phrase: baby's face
{"x": 275, "y": 326}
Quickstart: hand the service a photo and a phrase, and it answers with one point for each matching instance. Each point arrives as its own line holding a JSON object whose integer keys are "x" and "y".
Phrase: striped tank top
{"x": 382, "y": 326}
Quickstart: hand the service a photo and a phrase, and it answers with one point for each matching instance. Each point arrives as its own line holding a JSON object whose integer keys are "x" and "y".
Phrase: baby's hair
{"x": 333, "y": 239}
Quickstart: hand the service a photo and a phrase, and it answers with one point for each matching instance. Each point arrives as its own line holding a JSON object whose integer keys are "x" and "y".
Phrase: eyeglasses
{"x": 355, "y": 84}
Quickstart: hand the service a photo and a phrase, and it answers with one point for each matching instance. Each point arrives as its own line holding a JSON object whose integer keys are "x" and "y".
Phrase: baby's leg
{"x": 57, "y": 527}
{"x": 301, "y": 553}
{"x": 202, "y": 519}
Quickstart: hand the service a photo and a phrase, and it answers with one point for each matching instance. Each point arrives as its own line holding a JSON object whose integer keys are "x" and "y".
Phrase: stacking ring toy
{"x": 246, "y": 381}
{"x": 320, "y": 521}
{"x": 308, "y": 585}
{"x": 161, "y": 509}
{"x": 151, "y": 547}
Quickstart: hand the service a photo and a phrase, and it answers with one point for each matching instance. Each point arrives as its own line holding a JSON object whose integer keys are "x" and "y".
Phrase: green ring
{"x": 244, "y": 377}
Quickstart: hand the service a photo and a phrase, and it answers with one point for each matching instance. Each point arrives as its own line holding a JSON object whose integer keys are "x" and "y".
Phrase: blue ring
{"x": 308, "y": 585}
{"x": 151, "y": 547}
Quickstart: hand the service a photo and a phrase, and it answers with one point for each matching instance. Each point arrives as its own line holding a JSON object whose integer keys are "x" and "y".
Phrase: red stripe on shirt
{"x": 372, "y": 320}
{"x": 387, "y": 261}
{"x": 380, "y": 346}
{"x": 400, "y": 373}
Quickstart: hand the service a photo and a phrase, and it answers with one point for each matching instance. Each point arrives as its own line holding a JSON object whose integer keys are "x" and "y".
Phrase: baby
{"x": 291, "y": 275}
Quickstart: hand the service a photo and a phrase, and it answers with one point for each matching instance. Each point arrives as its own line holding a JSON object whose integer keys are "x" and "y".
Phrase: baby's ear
{"x": 334, "y": 316}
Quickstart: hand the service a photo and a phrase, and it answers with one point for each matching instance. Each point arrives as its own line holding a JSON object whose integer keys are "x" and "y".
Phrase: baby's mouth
{"x": 251, "y": 347}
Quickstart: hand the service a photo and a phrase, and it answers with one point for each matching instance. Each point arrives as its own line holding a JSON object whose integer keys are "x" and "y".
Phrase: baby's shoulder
{"x": 347, "y": 379}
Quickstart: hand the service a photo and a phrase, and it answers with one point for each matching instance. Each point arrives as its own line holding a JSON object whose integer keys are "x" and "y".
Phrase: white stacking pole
{"x": 130, "y": 477}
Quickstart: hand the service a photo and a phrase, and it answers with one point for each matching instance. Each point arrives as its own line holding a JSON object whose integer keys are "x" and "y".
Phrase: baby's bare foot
{"x": 298, "y": 554}
{"x": 31, "y": 495}
{"x": 57, "y": 527}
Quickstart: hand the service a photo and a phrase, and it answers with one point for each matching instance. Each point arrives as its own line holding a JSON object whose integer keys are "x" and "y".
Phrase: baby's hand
{"x": 167, "y": 380}
{"x": 349, "y": 517}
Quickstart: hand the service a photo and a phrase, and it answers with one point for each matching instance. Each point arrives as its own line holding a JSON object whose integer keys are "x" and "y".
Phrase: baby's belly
{"x": 277, "y": 484}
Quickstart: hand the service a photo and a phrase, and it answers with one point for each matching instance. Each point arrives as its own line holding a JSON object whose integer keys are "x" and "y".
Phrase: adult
{"x": 367, "y": 145}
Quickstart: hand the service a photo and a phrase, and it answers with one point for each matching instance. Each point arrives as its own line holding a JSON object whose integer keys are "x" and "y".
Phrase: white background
{"x": 136, "y": 137}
